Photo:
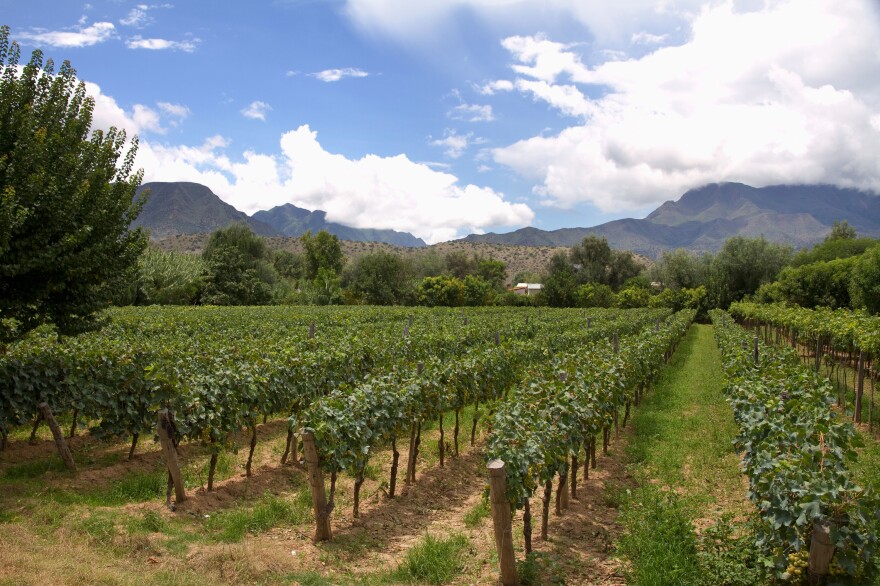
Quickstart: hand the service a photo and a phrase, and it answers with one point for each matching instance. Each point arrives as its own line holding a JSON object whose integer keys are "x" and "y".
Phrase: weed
{"x": 149, "y": 522}
{"x": 479, "y": 512}
{"x": 539, "y": 569}
{"x": 100, "y": 529}
{"x": 433, "y": 561}
{"x": 271, "y": 511}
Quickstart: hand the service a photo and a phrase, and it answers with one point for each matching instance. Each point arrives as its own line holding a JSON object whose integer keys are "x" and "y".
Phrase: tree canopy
{"x": 67, "y": 198}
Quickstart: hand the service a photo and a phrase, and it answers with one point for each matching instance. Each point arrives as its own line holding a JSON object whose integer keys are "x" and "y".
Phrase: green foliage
{"x": 658, "y": 539}
{"x": 166, "y": 278}
{"x": 632, "y": 298}
{"x": 270, "y": 511}
{"x": 592, "y": 257}
{"x": 378, "y": 278}
{"x": 442, "y": 291}
{"x": 841, "y": 230}
{"x": 866, "y": 281}
{"x": 477, "y": 291}
{"x": 539, "y": 569}
{"x": 819, "y": 284}
{"x": 559, "y": 286}
{"x": 594, "y": 295}
{"x": 741, "y": 266}
{"x": 460, "y": 264}
{"x": 492, "y": 271}
{"x": 480, "y": 511}
{"x": 67, "y": 198}
{"x": 679, "y": 269}
{"x": 322, "y": 251}
{"x": 434, "y": 561}
{"x": 833, "y": 249}
{"x": 239, "y": 271}
{"x": 728, "y": 555}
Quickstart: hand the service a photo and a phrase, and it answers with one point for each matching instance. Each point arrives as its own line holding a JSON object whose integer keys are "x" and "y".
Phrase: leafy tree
{"x": 428, "y": 263}
{"x": 288, "y": 265}
{"x": 825, "y": 284}
{"x": 441, "y": 291}
{"x": 561, "y": 282}
{"x": 622, "y": 268}
{"x": 477, "y": 291}
{"x": 632, "y": 298}
{"x": 841, "y": 230}
{"x": 322, "y": 251}
{"x": 379, "y": 278}
{"x": 526, "y": 277}
{"x": 866, "y": 281}
{"x": 742, "y": 265}
{"x": 460, "y": 264}
{"x": 166, "y": 278}
{"x": 239, "y": 271}
{"x": 493, "y": 272}
{"x": 679, "y": 269}
{"x": 326, "y": 287}
{"x": 591, "y": 258}
{"x": 66, "y": 200}
{"x": 594, "y": 295}
{"x": 832, "y": 249}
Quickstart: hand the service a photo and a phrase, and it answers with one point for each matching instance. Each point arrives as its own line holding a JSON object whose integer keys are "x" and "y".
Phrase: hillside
{"x": 188, "y": 208}
{"x": 702, "y": 219}
{"x": 292, "y": 221}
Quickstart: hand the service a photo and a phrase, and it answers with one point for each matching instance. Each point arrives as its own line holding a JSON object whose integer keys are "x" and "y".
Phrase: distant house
{"x": 527, "y": 289}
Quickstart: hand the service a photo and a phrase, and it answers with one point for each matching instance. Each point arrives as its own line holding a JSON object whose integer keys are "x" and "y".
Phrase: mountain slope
{"x": 190, "y": 208}
{"x": 702, "y": 219}
{"x": 292, "y": 221}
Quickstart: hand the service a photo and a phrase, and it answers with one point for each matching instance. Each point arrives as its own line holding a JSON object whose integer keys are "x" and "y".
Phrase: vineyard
{"x": 212, "y": 426}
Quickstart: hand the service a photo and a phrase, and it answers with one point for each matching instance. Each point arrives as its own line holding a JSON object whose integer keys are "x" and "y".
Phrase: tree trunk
{"x": 562, "y": 494}
{"x": 574, "y": 477}
{"x": 211, "y": 468}
{"x": 587, "y": 459}
{"x": 626, "y": 413}
{"x": 392, "y": 483}
{"x": 527, "y": 525}
{"x": 441, "y": 442}
{"x": 73, "y": 423}
{"x": 251, "y": 452}
{"x": 455, "y": 435}
{"x": 134, "y": 443}
{"x": 474, "y": 425}
{"x": 548, "y": 496}
{"x": 33, "y": 439}
{"x": 287, "y": 447}
{"x": 605, "y": 438}
{"x": 593, "y": 452}
{"x": 358, "y": 481}
{"x": 410, "y": 457}
{"x": 59, "y": 437}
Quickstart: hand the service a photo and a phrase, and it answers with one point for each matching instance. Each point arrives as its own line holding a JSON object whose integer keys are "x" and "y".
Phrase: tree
{"x": 742, "y": 265}
{"x": 379, "y": 278}
{"x": 323, "y": 251}
{"x": 559, "y": 286}
{"x": 594, "y": 295}
{"x": 460, "y": 264}
{"x": 841, "y": 230}
{"x": 622, "y": 268}
{"x": 239, "y": 269}
{"x": 866, "y": 281}
{"x": 679, "y": 269}
{"x": 441, "y": 291}
{"x": 591, "y": 258}
{"x": 477, "y": 291}
{"x": 165, "y": 278}
{"x": 66, "y": 200}
{"x": 493, "y": 272}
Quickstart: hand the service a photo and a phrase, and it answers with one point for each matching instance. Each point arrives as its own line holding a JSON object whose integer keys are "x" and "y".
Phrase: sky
{"x": 449, "y": 117}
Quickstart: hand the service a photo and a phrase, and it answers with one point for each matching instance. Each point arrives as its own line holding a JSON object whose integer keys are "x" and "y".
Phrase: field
{"x": 540, "y": 389}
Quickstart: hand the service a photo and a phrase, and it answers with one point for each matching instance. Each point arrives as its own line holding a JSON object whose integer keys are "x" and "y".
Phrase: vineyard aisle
{"x": 684, "y": 433}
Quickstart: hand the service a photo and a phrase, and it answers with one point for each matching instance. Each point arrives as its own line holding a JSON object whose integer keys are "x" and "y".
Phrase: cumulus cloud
{"x": 331, "y": 75}
{"x": 77, "y": 36}
{"x": 749, "y": 97}
{"x": 139, "y": 16}
{"x": 140, "y": 119}
{"x": 257, "y": 110}
{"x": 646, "y": 38}
{"x": 455, "y": 144}
{"x": 138, "y": 42}
{"x": 175, "y": 110}
{"x": 373, "y": 191}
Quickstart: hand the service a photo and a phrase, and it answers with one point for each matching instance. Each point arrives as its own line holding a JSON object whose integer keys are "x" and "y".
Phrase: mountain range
{"x": 177, "y": 208}
{"x": 702, "y": 219}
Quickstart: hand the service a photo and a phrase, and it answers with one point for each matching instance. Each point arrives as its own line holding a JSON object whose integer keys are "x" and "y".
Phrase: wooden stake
{"x": 165, "y": 429}
{"x": 821, "y": 552}
{"x": 392, "y": 484}
{"x": 501, "y": 520}
{"x": 319, "y": 495}
{"x": 46, "y": 413}
{"x": 860, "y": 387}
{"x": 527, "y": 525}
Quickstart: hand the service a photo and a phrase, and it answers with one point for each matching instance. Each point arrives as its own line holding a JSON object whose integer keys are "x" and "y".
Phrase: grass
{"x": 480, "y": 511}
{"x": 433, "y": 561}
{"x": 682, "y": 454}
{"x": 270, "y": 511}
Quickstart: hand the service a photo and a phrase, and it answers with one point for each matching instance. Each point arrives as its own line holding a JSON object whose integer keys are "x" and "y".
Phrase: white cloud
{"x": 428, "y": 20}
{"x": 472, "y": 113}
{"x": 379, "y": 192}
{"x": 138, "y": 42}
{"x": 646, "y": 38}
{"x": 174, "y": 110}
{"x": 455, "y": 144}
{"x": 78, "y": 36}
{"x": 493, "y": 87}
{"x": 137, "y": 17}
{"x": 257, "y": 110}
{"x": 330, "y": 75}
{"x": 785, "y": 93}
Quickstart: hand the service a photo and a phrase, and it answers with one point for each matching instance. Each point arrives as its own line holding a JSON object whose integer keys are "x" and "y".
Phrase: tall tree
{"x": 239, "y": 271}
{"x": 66, "y": 200}
{"x": 322, "y": 251}
{"x": 591, "y": 259}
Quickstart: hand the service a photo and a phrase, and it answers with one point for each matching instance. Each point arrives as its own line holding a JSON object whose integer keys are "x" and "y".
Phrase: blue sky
{"x": 445, "y": 117}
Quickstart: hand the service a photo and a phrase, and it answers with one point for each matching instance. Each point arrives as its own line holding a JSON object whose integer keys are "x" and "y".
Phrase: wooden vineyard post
{"x": 497, "y": 338}
{"x": 589, "y": 323}
{"x": 319, "y": 494}
{"x": 311, "y": 330}
{"x": 818, "y": 352}
{"x": 821, "y": 552}
{"x": 860, "y": 387}
{"x": 165, "y": 429}
{"x": 755, "y": 349}
{"x": 501, "y": 519}
{"x": 46, "y": 413}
